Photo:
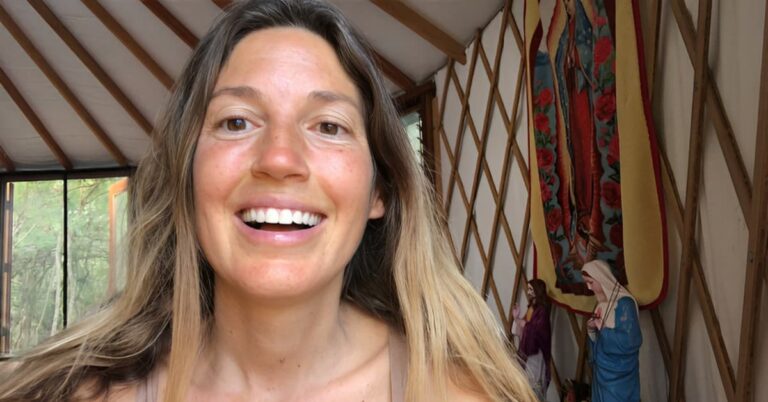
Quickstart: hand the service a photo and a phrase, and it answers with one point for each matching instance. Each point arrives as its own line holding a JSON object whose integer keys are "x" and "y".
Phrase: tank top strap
{"x": 147, "y": 389}
{"x": 398, "y": 365}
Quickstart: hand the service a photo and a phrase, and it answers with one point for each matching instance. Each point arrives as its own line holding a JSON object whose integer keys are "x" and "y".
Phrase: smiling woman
{"x": 283, "y": 242}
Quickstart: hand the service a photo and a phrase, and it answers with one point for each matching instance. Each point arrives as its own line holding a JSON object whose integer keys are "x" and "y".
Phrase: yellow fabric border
{"x": 644, "y": 246}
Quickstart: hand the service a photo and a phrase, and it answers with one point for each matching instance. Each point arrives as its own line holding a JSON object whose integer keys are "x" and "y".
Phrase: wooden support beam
{"x": 393, "y": 72}
{"x": 6, "y": 161}
{"x": 653, "y": 49}
{"x": 718, "y": 116}
{"x": 64, "y": 90}
{"x": 129, "y": 42}
{"x": 691, "y": 199}
{"x": 423, "y": 27}
{"x": 91, "y": 63}
{"x": 661, "y": 336}
{"x": 675, "y": 213}
{"x": 30, "y": 114}
{"x": 757, "y": 251}
{"x": 171, "y": 22}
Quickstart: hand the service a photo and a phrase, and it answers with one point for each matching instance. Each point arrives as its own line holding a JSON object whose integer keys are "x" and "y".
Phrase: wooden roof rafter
{"x": 6, "y": 161}
{"x": 173, "y": 23}
{"x": 129, "y": 42}
{"x": 61, "y": 86}
{"x": 222, "y": 3}
{"x": 91, "y": 63}
{"x": 391, "y": 71}
{"x": 30, "y": 114}
{"x": 423, "y": 27}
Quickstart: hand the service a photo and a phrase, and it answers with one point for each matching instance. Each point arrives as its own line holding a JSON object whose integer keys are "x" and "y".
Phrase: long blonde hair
{"x": 403, "y": 271}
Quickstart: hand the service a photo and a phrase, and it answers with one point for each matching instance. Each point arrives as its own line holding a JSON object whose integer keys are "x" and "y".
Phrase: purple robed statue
{"x": 535, "y": 337}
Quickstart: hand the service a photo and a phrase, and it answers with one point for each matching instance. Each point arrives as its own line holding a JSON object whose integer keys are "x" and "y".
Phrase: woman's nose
{"x": 280, "y": 154}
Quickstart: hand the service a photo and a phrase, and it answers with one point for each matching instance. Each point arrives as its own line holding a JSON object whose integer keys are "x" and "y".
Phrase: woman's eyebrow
{"x": 331, "y": 96}
{"x": 242, "y": 91}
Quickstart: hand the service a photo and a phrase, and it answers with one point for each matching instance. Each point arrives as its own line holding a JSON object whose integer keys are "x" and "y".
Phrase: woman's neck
{"x": 282, "y": 345}
{"x": 285, "y": 346}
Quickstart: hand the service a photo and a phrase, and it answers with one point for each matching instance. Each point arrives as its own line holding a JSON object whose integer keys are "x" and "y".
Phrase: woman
{"x": 535, "y": 342}
{"x": 615, "y": 337}
{"x": 283, "y": 243}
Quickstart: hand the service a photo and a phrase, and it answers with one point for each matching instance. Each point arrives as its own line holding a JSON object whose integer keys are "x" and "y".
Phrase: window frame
{"x": 6, "y": 241}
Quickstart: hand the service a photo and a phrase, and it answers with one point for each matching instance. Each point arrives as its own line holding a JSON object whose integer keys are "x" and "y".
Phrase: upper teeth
{"x": 280, "y": 216}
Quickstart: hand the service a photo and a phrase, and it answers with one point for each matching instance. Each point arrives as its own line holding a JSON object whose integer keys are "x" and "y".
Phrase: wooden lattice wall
{"x": 480, "y": 146}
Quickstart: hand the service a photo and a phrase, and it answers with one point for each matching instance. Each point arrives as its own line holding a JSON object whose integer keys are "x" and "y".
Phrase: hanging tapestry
{"x": 595, "y": 175}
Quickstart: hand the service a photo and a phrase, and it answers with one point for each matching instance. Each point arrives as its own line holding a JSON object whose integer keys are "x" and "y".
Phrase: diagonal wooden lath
{"x": 423, "y": 27}
{"x": 485, "y": 131}
{"x": 64, "y": 90}
{"x": 30, "y": 114}
{"x": 757, "y": 251}
{"x": 463, "y": 116}
{"x": 711, "y": 322}
{"x": 129, "y": 42}
{"x": 512, "y": 152}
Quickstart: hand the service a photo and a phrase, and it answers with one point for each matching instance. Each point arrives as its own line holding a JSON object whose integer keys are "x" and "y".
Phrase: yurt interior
{"x": 554, "y": 132}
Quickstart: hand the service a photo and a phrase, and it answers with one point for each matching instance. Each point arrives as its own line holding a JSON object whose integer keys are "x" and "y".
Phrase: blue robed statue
{"x": 615, "y": 337}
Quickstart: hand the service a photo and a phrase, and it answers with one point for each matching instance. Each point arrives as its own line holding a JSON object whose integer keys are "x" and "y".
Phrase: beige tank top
{"x": 398, "y": 372}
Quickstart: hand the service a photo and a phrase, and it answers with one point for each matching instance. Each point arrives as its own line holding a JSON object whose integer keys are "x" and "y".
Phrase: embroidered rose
{"x": 545, "y": 97}
{"x": 541, "y": 122}
{"x": 612, "y": 194}
{"x": 554, "y": 217}
{"x": 545, "y": 157}
{"x": 546, "y": 193}
{"x": 605, "y": 106}
{"x": 603, "y": 48}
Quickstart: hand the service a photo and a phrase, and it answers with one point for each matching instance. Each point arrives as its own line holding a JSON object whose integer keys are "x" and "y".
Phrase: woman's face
{"x": 593, "y": 285}
{"x": 283, "y": 176}
{"x": 529, "y": 292}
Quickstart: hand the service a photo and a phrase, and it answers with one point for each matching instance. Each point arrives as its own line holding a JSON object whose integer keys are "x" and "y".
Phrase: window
{"x": 59, "y": 258}
{"x": 412, "y": 123}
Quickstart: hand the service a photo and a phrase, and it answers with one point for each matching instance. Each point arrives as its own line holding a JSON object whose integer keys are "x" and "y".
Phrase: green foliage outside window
{"x": 37, "y": 285}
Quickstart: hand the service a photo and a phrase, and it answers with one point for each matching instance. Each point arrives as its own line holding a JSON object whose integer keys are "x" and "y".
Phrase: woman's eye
{"x": 329, "y": 128}
{"x": 235, "y": 124}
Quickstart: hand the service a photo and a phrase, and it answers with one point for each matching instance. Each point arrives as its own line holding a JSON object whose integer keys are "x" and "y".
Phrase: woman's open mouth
{"x": 279, "y": 220}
